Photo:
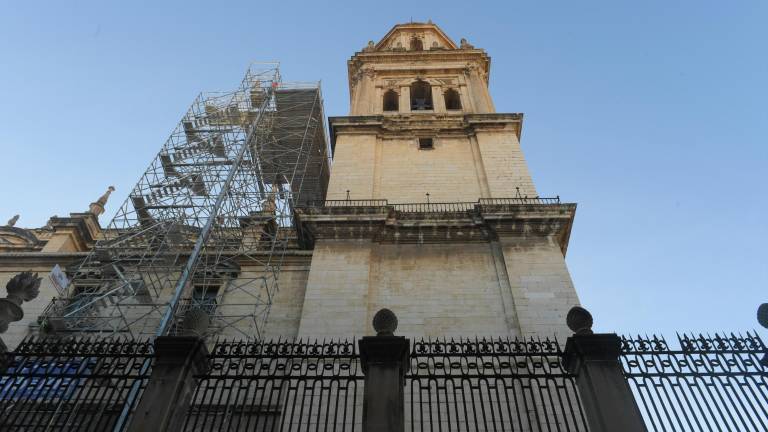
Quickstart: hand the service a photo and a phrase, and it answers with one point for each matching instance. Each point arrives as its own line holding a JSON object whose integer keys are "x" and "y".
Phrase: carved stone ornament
{"x": 360, "y": 72}
{"x": 23, "y": 287}
{"x": 97, "y": 207}
{"x": 12, "y": 221}
{"x": 579, "y": 320}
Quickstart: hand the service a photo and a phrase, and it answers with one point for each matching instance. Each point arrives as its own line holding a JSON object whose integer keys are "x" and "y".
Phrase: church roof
{"x": 411, "y": 28}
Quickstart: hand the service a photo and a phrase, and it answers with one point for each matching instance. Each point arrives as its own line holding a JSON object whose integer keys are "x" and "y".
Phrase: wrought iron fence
{"x": 490, "y": 385}
{"x": 278, "y": 386}
{"x": 708, "y": 383}
{"x": 76, "y": 385}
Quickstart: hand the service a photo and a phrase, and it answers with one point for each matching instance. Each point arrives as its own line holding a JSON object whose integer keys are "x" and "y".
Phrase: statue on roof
{"x": 12, "y": 221}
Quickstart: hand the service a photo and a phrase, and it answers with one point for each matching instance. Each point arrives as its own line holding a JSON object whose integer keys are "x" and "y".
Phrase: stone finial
{"x": 385, "y": 322}
{"x": 463, "y": 44}
{"x": 97, "y": 207}
{"x": 12, "y": 221}
{"x": 579, "y": 320}
{"x": 762, "y": 315}
{"x": 23, "y": 287}
{"x": 762, "y": 318}
{"x": 370, "y": 47}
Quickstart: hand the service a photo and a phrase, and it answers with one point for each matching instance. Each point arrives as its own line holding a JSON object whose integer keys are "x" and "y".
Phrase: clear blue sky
{"x": 652, "y": 116}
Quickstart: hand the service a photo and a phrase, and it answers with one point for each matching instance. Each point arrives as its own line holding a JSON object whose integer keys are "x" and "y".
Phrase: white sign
{"x": 59, "y": 279}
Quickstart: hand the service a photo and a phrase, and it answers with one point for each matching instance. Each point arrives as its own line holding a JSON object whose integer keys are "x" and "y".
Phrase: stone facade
{"x": 444, "y": 272}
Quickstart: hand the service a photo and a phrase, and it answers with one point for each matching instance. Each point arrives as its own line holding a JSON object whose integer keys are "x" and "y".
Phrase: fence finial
{"x": 385, "y": 322}
{"x": 762, "y": 315}
{"x": 579, "y": 320}
{"x": 762, "y": 318}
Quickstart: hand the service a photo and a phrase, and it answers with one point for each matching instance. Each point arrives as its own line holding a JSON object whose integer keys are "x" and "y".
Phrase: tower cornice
{"x": 487, "y": 220}
{"x": 407, "y": 123}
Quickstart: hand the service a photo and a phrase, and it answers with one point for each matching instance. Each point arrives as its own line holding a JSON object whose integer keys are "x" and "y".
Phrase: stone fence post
{"x": 608, "y": 401}
{"x": 164, "y": 403}
{"x": 385, "y": 361}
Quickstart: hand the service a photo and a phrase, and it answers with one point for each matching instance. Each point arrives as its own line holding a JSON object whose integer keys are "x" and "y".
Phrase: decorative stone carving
{"x": 359, "y": 72}
{"x": 370, "y": 47}
{"x": 12, "y": 221}
{"x": 23, "y": 287}
{"x": 97, "y": 207}
{"x": 465, "y": 45}
{"x": 473, "y": 67}
{"x": 579, "y": 320}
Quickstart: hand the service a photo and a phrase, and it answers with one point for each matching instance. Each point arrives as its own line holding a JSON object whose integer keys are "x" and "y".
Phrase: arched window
{"x": 391, "y": 101}
{"x": 452, "y": 100}
{"x": 421, "y": 96}
{"x": 416, "y": 44}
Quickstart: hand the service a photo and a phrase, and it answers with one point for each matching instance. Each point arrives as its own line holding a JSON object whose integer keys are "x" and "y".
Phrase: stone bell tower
{"x": 431, "y": 211}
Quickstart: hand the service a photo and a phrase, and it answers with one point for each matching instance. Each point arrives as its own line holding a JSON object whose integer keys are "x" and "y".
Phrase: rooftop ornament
{"x": 12, "y": 221}
{"x": 97, "y": 207}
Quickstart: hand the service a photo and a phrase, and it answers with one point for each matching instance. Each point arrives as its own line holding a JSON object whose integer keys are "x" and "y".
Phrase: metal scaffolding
{"x": 199, "y": 243}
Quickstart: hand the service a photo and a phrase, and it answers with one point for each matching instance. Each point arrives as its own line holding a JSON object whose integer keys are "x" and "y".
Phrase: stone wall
{"x": 504, "y": 165}
{"x": 459, "y": 168}
{"x": 447, "y": 289}
{"x": 541, "y": 285}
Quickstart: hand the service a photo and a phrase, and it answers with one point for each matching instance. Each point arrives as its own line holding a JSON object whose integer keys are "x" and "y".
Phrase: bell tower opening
{"x": 421, "y": 96}
{"x": 391, "y": 101}
{"x": 452, "y": 100}
{"x": 417, "y": 44}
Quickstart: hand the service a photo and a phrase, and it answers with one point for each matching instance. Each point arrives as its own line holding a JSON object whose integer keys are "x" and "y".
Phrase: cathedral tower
{"x": 430, "y": 209}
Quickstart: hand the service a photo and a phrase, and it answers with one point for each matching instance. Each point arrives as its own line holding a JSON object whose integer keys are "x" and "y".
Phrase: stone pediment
{"x": 401, "y": 35}
{"x": 17, "y": 239}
